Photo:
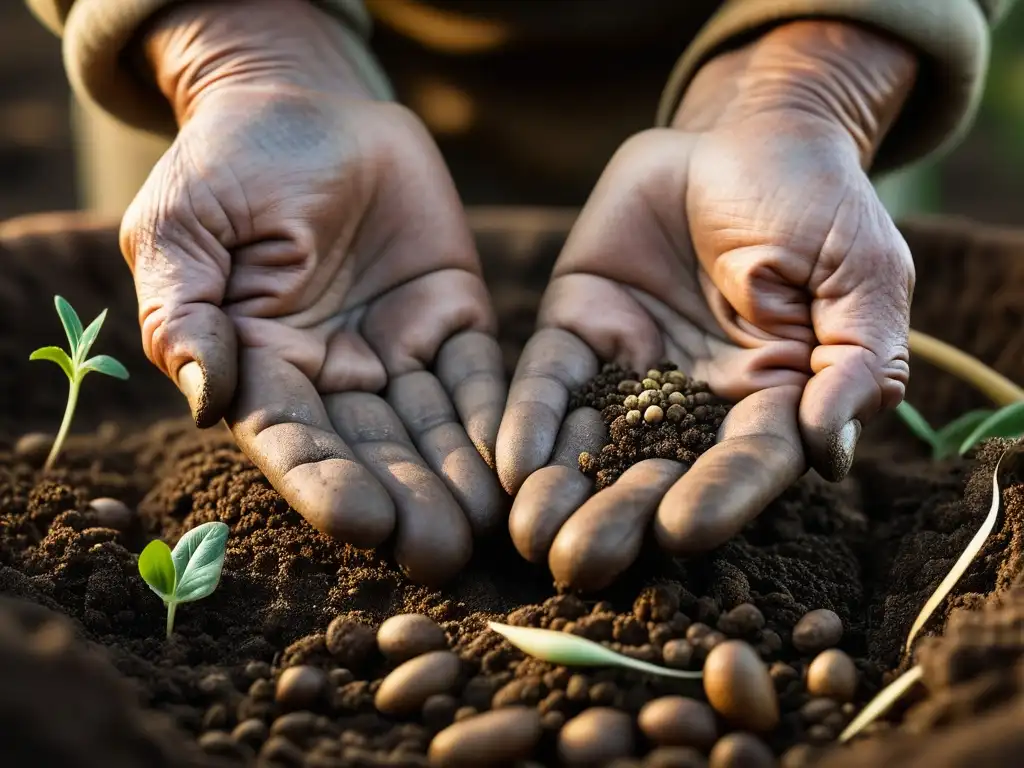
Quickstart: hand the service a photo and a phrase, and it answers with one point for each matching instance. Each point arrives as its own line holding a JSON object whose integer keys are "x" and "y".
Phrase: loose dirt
{"x": 280, "y": 666}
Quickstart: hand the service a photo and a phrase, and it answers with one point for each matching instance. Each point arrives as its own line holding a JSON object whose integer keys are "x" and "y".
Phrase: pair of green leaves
{"x": 190, "y": 572}
{"x": 964, "y": 433}
{"x": 80, "y": 341}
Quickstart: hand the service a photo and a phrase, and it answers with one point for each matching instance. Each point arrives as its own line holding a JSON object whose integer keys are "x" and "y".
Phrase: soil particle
{"x": 350, "y": 641}
{"x": 817, "y": 630}
{"x": 663, "y": 415}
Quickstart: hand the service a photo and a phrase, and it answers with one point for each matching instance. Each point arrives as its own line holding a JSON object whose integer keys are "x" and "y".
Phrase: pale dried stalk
{"x": 879, "y": 705}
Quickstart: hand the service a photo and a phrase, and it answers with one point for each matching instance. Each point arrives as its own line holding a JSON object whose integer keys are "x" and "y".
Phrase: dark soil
{"x": 662, "y": 414}
{"x": 871, "y": 549}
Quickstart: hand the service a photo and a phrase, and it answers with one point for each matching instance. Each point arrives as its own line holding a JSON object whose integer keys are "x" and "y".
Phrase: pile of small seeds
{"x": 663, "y": 414}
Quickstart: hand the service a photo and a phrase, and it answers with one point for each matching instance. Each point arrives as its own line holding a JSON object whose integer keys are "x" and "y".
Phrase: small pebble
{"x": 112, "y": 513}
{"x": 738, "y": 686}
{"x": 832, "y": 674}
{"x": 279, "y": 751}
{"x": 300, "y": 687}
{"x": 782, "y": 675}
{"x": 33, "y": 446}
{"x": 817, "y": 630}
{"x": 675, "y": 757}
{"x": 677, "y": 654}
{"x": 816, "y": 710}
{"x": 493, "y": 738}
{"x": 221, "y": 743}
{"x": 744, "y": 620}
{"x": 677, "y": 721}
{"x": 252, "y": 732}
{"x": 256, "y": 670}
{"x": 741, "y": 750}
{"x": 406, "y": 689}
{"x": 596, "y": 736}
{"x": 654, "y": 414}
{"x": 296, "y": 726}
{"x": 403, "y": 637}
{"x": 350, "y": 641}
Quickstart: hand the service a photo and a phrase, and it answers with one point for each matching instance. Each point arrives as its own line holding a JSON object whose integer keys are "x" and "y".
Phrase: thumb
{"x": 181, "y": 272}
{"x": 860, "y": 312}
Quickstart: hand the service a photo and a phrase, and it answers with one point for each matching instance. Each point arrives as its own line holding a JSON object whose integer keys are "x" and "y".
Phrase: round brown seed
{"x": 405, "y": 690}
{"x": 833, "y": 675}
{"x": 633, "y": 418}
{"x": 677, "y": 721}
{"x": 738, "y": 686}
{"x": 677, "y": 398}
{"x": 493, "y": 738}
{"x": 300, "y": 687}
{"x": 654, "y": 414}
{"x": 741, "y": 750}
{"x": 675, "y": 413}
{"x": 407, "y": 635}
{"x": 817, "y": 630}
{"x": 596, "y": 736}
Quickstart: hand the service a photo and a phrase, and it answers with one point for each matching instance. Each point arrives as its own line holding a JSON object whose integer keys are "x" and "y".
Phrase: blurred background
{"x": 983, "y": 178}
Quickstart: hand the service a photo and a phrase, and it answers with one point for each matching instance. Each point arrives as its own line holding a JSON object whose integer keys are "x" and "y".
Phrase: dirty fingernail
{"x": 841, "y": 449}
{"x": 192, "y": 383}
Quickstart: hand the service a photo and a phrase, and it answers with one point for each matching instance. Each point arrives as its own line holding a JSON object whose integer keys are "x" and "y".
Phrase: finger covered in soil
{"x": 295, "y": 605}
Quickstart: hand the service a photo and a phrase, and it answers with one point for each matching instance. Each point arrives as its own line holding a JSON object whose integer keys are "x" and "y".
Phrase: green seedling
{"x": 76, "y": 365}
{"x": 571, "y": 650}
{"x": 889, "y": 695}
{"x": 966, "y": 432}
{"x": 189, "y": 573}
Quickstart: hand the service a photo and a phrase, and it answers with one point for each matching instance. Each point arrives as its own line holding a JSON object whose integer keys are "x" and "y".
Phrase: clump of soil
{"x": 663, "y": 414}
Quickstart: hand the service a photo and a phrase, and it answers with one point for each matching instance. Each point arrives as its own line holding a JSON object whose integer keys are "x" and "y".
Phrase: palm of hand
{"x": 747, "y": 262}
{"x": 330, "y": 291}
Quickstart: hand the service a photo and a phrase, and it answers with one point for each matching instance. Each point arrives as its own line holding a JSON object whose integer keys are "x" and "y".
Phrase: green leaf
{"x": 107, "y": 365}
{"x": 58, "y": 356}
{"x": 198, "y": 559}
{"x": 571, "y": 650}
{"x": 952, "y": 436}
{"x": 71, "y": 322}
{"x": 157, "y": 569}
{"x": 89, "y": 337}
{"x": 1008, "y": 421}
{"x": 913, "y": 419}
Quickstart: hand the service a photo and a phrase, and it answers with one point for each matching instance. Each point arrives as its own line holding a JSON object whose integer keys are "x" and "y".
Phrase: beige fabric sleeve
{"x": 96, "y": 32}
{"x": 952, "y": 37}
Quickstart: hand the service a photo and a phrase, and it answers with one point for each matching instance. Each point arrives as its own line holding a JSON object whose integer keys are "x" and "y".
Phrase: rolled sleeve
{"x": 95, "y": 34}
{"x": 952, "y": 38}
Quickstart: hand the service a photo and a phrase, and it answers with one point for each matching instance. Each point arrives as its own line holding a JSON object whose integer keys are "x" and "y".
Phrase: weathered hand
{"x": 747, "y": 245}
{"x": 304, "y": 270}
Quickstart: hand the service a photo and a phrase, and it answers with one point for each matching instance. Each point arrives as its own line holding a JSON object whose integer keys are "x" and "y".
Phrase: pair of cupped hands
{"x": 305, "y": 272}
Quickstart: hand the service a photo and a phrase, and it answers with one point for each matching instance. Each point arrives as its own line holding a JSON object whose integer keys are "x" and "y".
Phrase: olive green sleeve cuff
{"x": 951, "y": 37}
{"x": 96, "y": 32}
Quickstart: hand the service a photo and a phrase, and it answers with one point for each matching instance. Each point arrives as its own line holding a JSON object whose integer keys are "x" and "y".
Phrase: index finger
{"x": 554, "y": 363}
{"x": 758, "y": 456}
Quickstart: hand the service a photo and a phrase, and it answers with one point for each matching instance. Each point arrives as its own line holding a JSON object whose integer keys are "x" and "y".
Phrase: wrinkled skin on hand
{"x": 304, "y": 270}
{"x": 748, "y": 246}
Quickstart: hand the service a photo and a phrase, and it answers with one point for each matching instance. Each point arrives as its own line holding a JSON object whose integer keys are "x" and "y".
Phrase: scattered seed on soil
{"x": 679, "y": 424}
{"x": 677, "y": 721}
{"x": 738, "y": 686}
{"x": 33, "y": 446}
{"x": 300, "y": 687}
{"x": 833, "y": 675}
{"x": 350, "y": 641}
{"x": 741, "y": 750}
{"x": 112, "y": 513}
{"x": 491, "y": 738}
{"x": 407, "y": 688}
{"x": 817, "y": 630}
{"x": 597, "y": 735}
{"x": 407, "y": 635}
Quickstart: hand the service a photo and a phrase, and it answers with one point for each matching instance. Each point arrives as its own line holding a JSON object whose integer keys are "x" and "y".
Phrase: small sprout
{"x": 881, "y": 704}
{"x": 1008, "y": 421}
{"x": 964, "y": 433}
{"x": 191, "y": 572}
{"x": 76, "y": 366}
{"x": 574, "y": 651}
